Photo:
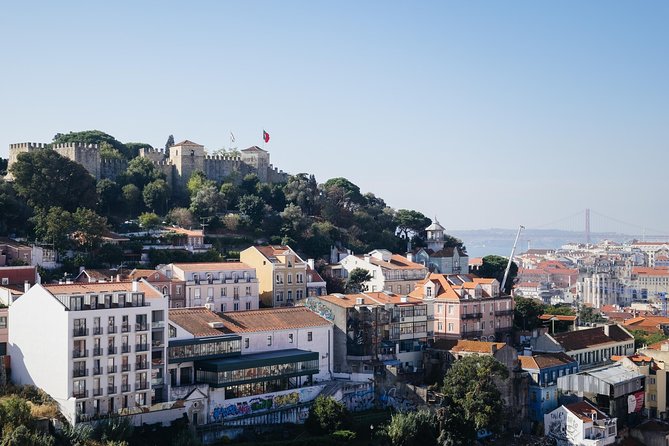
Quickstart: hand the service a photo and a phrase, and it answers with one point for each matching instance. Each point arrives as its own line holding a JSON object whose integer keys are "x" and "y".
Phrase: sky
{"x": 484, "y": 114}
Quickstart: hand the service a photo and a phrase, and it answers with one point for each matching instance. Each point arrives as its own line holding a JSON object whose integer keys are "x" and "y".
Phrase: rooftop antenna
{"x": 508, "y": 265}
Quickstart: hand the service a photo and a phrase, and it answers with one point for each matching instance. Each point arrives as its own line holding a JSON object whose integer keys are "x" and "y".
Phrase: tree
{"x": 54, "y": 226}
{"x": 327, "y": 415}
{"x": 149, "y": 221}
{"x": 230, "y": 194}
{"x": 110, "y": 254}
{"x": 356, "y": 280}
{"x": 526, "y": 313}
{"x": 140, "y": 172}
{"x": 132, "y": 197}
{"x": 412, "y": 429}
{"x": 249, "y": 184}
{"x": 251, "y": 209}
{"x": 169, "y": 143}
{"x": 45, "y": 179}
{"x": 493, "y": 267}
{"x": 207, "y": 201}
{"x": 93, "y": 137}
{"x": 302, "y": 190}
{"x": 109, "y": 194}
{"x": 351, "y": 195}
{"x": 588, "y": 314}
{"x": 231, "y": 222}
{"x": 155, "y": 195}
{"x": 181, "y": 217}
{"x": 88, "y": 228}
{"x": 23, "y": 436}
{"x": 4, "y": 162}
{"x": 472, "y": 398}
{"x": 109, "y": 152}
{"x": 197, "y": 181}
{"x": 15, "y": 210}
{"x": 410, "y": 222}
{"x": 294, "y": 221}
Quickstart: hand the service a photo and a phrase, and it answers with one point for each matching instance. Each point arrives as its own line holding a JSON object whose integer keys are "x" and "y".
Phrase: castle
{"x": 178, "y": 164}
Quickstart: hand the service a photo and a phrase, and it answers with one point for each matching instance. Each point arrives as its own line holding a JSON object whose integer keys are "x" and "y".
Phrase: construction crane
{"x": 508, "y": 265}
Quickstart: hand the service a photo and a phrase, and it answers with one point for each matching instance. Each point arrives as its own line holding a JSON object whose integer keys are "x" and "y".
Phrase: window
{"x": 279, "y": 279}
{"x": 3, "y": 322}
{"x": 248, "y": 305}
{"x": 269, "y": 340}
{"x": 298, "y": 294}
{"x": 440, "y": 326}
{"x": 172, "y": 331}
{"x": 248, "y": 290}
{"x": 299, "y": 278}
{"x": 279, "y": 296}
{"x": 290, "y": 338}
{"x": 179, "y": 290}
{"x": 210, "y": 292}
{"x": 236, "y": 306}
{"x": 76, "y": 302}
{"x": 450, "y": 327}
{"x": 224, "y": 292}
{"x": 310, "y": 336}
{"x": 246, "y": 342}
{"x": 290, "y": 278}
{"x": 428, "y": 291}
{"x": 197, "y": 293}
{"x": 290, "y": 295}
{"x": 224, "y": 307}
{"x": 440, "y": 308}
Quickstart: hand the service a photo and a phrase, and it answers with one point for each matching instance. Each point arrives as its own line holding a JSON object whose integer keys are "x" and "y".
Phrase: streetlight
{"x": 371, "y": 431}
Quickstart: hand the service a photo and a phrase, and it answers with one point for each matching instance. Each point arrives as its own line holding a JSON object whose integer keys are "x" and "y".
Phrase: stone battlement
{"x": 28, "y": 145}
{"x": 223, "y": 158}
{"x": 75, "y": 145}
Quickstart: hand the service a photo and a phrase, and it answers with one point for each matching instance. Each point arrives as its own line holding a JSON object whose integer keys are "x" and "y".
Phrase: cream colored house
{"x": 390, "y": 272}
{"x": 281, "y": 273}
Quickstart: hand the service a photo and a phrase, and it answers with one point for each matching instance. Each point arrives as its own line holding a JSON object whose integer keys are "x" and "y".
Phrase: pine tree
{"x": 169, "y": 143}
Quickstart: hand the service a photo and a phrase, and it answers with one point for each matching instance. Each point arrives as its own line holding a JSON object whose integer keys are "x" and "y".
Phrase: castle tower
{"x": 435, "y": 236}
{"x": 187, "y": 158}
{"x": 258, "y": 159}
{"x": 23, "y": 147}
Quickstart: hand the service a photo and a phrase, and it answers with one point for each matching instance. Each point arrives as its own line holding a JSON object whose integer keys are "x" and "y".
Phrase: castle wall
{"x": 219, "y": 168}
{"x": 155, "y": 155}
{"x": 22, "y": 147}
{"x": 275, "y": 175}
{"x": 112, "y": 168}
{"x": 88, "y": 155}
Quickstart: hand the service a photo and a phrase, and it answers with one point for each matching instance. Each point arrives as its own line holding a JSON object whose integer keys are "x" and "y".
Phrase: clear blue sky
{"x": 487, "y": 114}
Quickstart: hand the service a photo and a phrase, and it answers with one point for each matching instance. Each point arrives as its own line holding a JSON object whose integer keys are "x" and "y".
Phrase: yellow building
{"x": 281, "y": 274}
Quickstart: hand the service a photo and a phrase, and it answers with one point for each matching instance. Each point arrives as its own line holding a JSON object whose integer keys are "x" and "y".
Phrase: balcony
{"x": 157, "y": 382}
{"x": 80, "y": 393}
{"x": 159, "y": 343}
{"x": 156, "y": 362}
{"x": 141, "y": 386}
{"x": 111, "y": 350}
{"x": 141, "y": 347}
{"x": 81, "y": 331}
{"x": 125, "y": 328}
{"x": 471, "y": 316}
{"x": 112, "y": 329}
{"x": 142, "y": 365}
{"x": 78, "y": 373}
{"x": 472, "y": 334}
{"x": 79, "y": 353}
{"x": 141, "y": 327}
{"x": 111, "y": 369}
{"x": 126, "y": 348}
{"x": 97, "y": 351}
{"x": 98, "y": 331}
{"x": 504, "y": 313}
{"x": 157, "y": 325}
{"x": 125, "y": 388}
{"x": 125, "y": 367}
{"x": 97, "y": 370}
{"x": 111, "y": 390}
{"x": 97, "y": 392}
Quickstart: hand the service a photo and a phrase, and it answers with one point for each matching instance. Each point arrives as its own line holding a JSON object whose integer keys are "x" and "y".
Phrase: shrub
{"x": 344, "y": 435}
{"x": 326, "y": 416}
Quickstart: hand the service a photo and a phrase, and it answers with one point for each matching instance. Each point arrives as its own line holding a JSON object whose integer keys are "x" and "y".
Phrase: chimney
{"x": 82, "y": 268}
{"x": 359, "y": 300}
{"x": 404, "y": 299}
{"x": 26, "y": 286}
{"x": 135, "y": 286}
{"x": 493, "y": 348}
{"x": 367, "y": 257}
{"x": 310, "y": 262}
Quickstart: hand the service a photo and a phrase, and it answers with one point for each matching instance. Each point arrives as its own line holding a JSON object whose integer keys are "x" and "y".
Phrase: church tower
{"x": 435, "y": 236}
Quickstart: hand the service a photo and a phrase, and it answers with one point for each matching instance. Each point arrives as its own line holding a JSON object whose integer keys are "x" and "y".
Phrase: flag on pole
{"x": 265, "y": 136}
{"x": 232, "y": 137}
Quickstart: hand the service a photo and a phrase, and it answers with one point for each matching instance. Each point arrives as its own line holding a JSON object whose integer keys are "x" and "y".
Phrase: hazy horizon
{"x": 483, "y": 114}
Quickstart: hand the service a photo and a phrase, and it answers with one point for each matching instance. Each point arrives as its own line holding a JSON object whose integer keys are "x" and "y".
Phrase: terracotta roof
{"x": 396, "y": 262}
{"x": 581, "y": 339}
{"x": 254, "y": 149}
{"x": 584, "y": 411}
{"x": 446, "y": 285}
{"x": 148, "y": 274}
{"x": 272, "y": 319}
{"x": 17, "y": 275}
{"x": 559, "y": 317}
{"x": 658, "y": 345}
{"x": 527, "y": 285}
{"x": 313, "y": 275}
{"x": 647, "y": 323}
{"x": 188, "y": 232}
{"x": 212, "y": 266}
{"x": 462, "y": 345}
{"x": 272, "y": 251}
{"x": 196, "y": 321}
{"x": 476, "y": 261}
{"x": 376, "y": 298}
{"x": 104, "y": 287}
{"x": 545, "y": 360}
{"x": 98, "y": 274}
{"x": 648, "y": 271}
{"x": 633, "y": 358}
{"x": 186, "y": 142}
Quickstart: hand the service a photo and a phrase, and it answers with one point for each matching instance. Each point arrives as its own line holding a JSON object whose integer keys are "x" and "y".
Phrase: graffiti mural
{"x": 390, "y": 399}
{"x": 262, "y": 403}
{"x": 319, "y": 308}
{"x": 361, "y": 398}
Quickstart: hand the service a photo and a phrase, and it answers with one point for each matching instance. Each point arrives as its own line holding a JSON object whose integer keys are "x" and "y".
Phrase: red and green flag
{"x": 265, "y": 136}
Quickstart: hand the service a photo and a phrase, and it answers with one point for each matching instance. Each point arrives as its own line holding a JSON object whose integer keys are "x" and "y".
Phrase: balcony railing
{"x": 125, "y": 367}
{"x": 111, "y": 350}
{"x": 80, "y": 393}
{"x": 141, "y": 327}
{"x": 471, "y": 316}
{"x": 157, "y": 343}
{"x": 157, "y": 381}
{"x": 157, "y": 325}
{"x": 111, "y": 390}
{"x": 98, "y": 331}
{"x": 79, "y": 353}
{"x": 78, "y": 373}
{"x": 472, "y": 334}
{"x": 112, "y": 329}
{"x": 125, "y": 388}
{"x": 97, "y": 392}
{"x": 111, "y": 369}
{"x": 142, "y": 365}
{"x": 126, "y": 348}
{"x": 141, "y": 347}
{"x": 155, "y": 362}
{"x": 97, "y": 370}
{"x": 97, "y": 351}
{"x": 125, "y": 328}
{"x": 81, "y": 331}
{"x": 141, "y": 386}
{"x": 504, "y": 313}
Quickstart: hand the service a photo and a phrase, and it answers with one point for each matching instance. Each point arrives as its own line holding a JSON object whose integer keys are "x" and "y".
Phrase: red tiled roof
{"x": 17, "y": 275}
{"x": 559, "y": 317}
{"x": 196, "y": 321}
{"x": 584, "y": 411}
{"x": 271, "y": 251}
{"x": 466, "y": 346}
{"x": 212, "y": 266}
{"x": 647, "y": 323}
{"x": 313, "y": 275}
{"x": 186, "y": 142}
{"x": 581, "y": 339}
{"x": 545, "y": 360}
{"x": 101, "y": 287}
{"x": 375, "y": 298}
{"x": 272, "y": 319}
{"x": 151, "y": 275}
{"x": 188, "y": 232}
{"x": 648, "y": 271}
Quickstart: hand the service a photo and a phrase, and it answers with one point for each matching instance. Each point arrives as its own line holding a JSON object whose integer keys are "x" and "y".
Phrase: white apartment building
{"x": 96, "y": 348}
{"x": 218, "y": 286}
{"x": 580, "y": 423}
{"x": 390, "y": 272}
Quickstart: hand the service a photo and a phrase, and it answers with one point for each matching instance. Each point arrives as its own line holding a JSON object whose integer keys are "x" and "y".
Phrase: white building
{"x": 580, "y": 424}
{"x": 97, "y": 349}
{"x": 218, "y": 286}
{"x": 390, "y": 272}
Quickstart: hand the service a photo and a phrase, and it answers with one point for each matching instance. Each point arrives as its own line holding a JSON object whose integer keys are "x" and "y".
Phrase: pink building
{"x": 467, "y": 307}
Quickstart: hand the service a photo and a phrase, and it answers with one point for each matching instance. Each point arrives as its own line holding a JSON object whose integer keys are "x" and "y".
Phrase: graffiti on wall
{"x": 360, "y": 399}
{"x": 391, "y": 399}
{"x": 319, "y": 308}
{"x": 262, "y": 403}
